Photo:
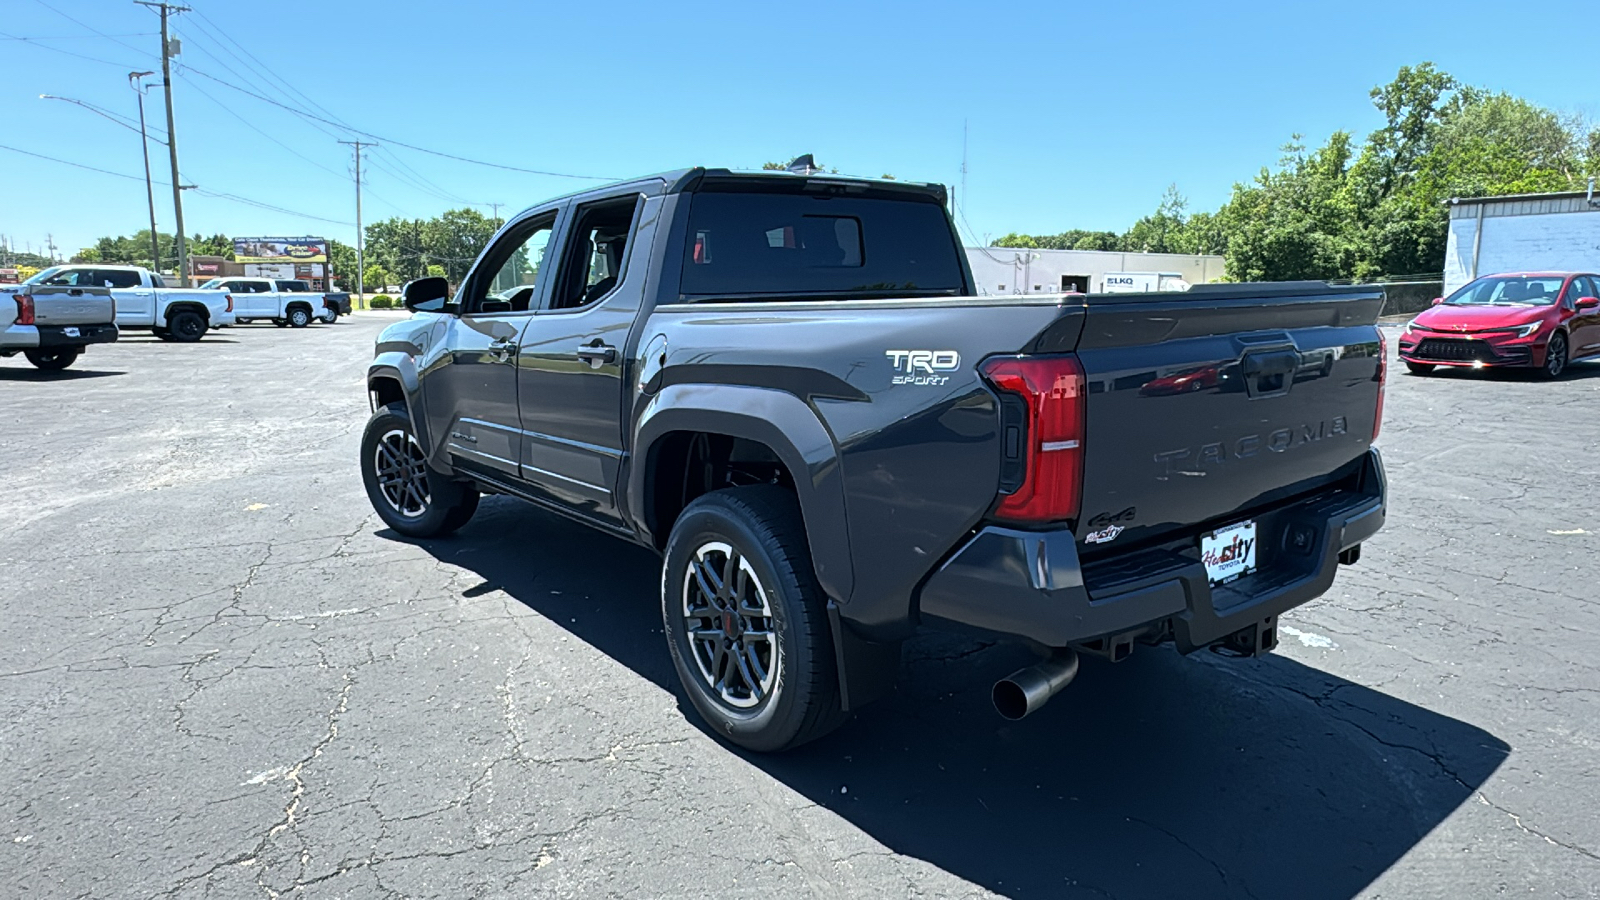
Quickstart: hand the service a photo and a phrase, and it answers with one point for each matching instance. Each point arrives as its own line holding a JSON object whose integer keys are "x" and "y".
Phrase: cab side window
{"x": 518, "y": 264}
{"x": 119, "y": 278}
{"x": 595, "y": 253}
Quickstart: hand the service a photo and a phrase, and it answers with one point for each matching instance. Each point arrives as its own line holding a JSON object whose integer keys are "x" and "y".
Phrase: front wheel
{"x": 407, "y": 493}
{"x": 746, "y": 621}
{"x": 1555, "y": 357}
{"x": 54, "y": 359}
{"x": 186, "y": 326}
{"x": 242, "y": 321}
{"x": 280, "y": 323}
{"x": 1419, "y": 368}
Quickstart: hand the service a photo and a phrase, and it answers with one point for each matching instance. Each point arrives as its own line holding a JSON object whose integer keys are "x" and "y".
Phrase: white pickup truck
{"x": 283, "y": 301}
{"x": 144, "y": 300}
{"x": 51, "y": 325}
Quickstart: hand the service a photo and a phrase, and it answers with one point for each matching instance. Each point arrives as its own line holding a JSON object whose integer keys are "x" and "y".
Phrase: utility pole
{"x": 169, "y": 50}
{"x": 136, "y": 81}
{"x": 50, "y": 243}
{"x": 361, "y": 238}
{"x": 496, "y": 208}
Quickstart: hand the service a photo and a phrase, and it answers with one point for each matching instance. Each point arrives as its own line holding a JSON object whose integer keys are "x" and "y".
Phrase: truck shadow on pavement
{"x": 12, "y": 373}
{"x": 1160, "y": 776}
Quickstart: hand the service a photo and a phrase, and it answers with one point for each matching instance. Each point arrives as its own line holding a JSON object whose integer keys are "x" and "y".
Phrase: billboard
{"x": 280, "y": 250}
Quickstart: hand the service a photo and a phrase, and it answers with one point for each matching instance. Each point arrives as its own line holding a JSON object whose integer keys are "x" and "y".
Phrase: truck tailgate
{"x": 1205, "y": 405}
{"x": 62, "y": 305}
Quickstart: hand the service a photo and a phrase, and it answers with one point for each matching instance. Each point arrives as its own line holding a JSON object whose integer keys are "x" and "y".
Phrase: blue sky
{"x": 1078, "y": 115}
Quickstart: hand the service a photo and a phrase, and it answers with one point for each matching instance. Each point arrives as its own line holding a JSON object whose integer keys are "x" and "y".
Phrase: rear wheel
{"x": 330, "y": 316}
{"x": 407, "y": 493}
{"x": 186, "y": 326}
{"x": 746, "y": 621}
{"x": 1555, "y": 357}
{"x": 53, "y": 359}
{"x": 1419, "y": 368}
{"x": 299, "y": 317}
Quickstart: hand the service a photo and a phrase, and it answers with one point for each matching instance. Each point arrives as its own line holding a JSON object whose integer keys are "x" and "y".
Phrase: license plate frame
{"x": 1231, "y": 552}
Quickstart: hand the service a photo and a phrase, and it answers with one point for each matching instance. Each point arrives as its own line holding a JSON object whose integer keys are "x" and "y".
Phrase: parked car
{"x": 286, "y": 302}
{"x": 1538, "y": 320}
{"x": 143, "y": 300}
{"x": 52, "y": 324}
{"x": 786, "y": 385}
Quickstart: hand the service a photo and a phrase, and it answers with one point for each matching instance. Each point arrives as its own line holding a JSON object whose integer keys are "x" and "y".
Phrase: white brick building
{"x": 1528, "y": 232}
{"x": 1012, "y": 270}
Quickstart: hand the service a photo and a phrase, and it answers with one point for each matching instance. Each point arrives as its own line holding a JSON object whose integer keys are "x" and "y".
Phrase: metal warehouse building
{"x": 1012, "y": 270}
{"x": 1522, "y": 233}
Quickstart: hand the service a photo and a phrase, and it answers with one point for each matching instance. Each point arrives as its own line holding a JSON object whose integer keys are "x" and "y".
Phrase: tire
{"x": 1555, "y": 357}
{"x": 186, "y": 326}
{"x": 239, "y": 321}
{"x": 782, "y": 689}
{"x": 299, "y": 317}
{"x": 1419, "y": 368}
{"x": 280, "y": 323}
{"x": 330, "y": 316}
{"x": 161, "y": 333}
{"x": 443, "y": 506}
{"x": 53, "y": 359}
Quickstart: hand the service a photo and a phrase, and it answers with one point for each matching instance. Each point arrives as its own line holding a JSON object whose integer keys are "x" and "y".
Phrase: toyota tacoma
{"x": 786, "y": 385}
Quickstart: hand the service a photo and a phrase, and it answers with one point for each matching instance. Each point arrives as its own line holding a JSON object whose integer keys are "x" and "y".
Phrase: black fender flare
{"x": 401, "y": 368}
{"x": 782, "y": 422}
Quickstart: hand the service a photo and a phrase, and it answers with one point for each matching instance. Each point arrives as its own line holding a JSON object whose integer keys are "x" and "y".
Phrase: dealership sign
{"x": 280, "y": 249}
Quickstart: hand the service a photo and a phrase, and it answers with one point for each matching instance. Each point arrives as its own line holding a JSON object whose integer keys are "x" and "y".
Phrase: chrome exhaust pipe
{"x": 1025, "y": 690}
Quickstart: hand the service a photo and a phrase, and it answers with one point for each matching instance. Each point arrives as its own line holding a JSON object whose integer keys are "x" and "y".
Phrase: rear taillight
{"x": 1042, "y": 432}
{"x": 1383, "y": 381}
{"x": 24, "y": 309}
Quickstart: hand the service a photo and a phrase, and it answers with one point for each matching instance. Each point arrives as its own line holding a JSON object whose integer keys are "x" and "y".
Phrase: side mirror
{"x": 1588, "y": 302}
{"x": 1438, "y": 300}
{"x": 425, "y": 294}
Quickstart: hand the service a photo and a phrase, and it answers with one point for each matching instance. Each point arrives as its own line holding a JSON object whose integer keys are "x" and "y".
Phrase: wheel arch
{"x": 178, "y": 306}
{"x": 392, "y": 378}
{"x": 747, "y": 421}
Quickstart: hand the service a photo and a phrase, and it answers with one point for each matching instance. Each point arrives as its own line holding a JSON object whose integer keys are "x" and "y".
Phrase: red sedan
{"x": 1539, "y": 320}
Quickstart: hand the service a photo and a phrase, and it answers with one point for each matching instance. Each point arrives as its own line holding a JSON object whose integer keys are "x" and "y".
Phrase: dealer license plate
{"x": 71, "y": 332}
{"x": 1229, "y": 553}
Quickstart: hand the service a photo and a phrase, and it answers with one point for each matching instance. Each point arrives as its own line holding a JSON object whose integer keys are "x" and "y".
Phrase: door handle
{"x": 503, "y": 349}
{"x": 597, "y": 354}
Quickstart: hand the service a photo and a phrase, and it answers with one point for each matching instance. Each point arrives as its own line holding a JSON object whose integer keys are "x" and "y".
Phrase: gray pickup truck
{"x": 786, "y": 385}
{"x": 51, "y": 324}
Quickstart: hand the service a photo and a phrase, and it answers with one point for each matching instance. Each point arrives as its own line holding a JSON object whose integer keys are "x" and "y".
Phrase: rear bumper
{"x": 1031, "y": 585}
{"x": 19, "y": 337}
{"x": 76, "y": 335}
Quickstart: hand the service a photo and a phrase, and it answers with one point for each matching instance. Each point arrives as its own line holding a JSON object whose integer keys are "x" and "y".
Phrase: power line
{"x": 84, "y": 24}
{"x": 251, "y": 125}
{"x": 79, "y": 37}
{"x": 217, "y": 194}
{"x": 34, "y": 43}
{"x": 377, "y": 137}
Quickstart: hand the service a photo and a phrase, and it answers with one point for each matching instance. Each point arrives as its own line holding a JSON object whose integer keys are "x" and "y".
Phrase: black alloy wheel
{"x": 53, "y": 359}
{"x": 186, "y": 326}
{"x": 408, "y": 494}
{"x": 746, "y": 621}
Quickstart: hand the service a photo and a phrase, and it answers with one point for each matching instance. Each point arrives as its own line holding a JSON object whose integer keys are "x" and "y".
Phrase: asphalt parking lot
{"x": 222, "y": 678}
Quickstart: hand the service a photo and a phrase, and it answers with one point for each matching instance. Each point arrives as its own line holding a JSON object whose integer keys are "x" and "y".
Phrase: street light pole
{"x": 135, "y": 81}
